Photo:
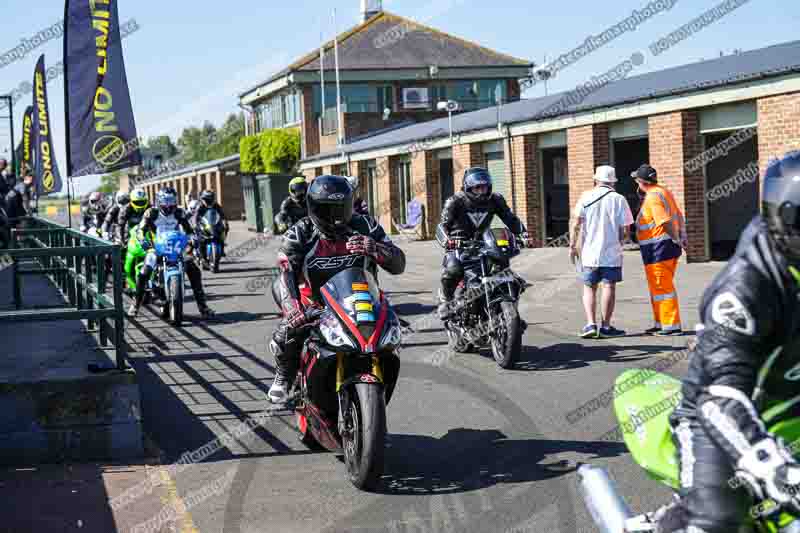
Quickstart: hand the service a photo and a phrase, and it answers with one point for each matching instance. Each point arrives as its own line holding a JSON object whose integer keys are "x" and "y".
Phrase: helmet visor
{"x": 334, "y": 215}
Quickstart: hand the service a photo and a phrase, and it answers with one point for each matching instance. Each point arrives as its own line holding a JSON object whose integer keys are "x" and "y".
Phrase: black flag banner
{"x": 48, "y": 179}
{"x": 101, "y": 131}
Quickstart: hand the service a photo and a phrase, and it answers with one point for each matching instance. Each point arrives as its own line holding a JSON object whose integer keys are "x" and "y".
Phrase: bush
{"x": 274, "y": 151}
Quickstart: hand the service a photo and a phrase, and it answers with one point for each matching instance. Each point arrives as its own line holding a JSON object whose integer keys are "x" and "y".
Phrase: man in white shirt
{"x": 602, "y": 224}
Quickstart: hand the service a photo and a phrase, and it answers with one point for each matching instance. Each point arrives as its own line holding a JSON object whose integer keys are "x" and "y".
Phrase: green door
{"x": 496, "y": 165}
{"x": 266, "y": 203}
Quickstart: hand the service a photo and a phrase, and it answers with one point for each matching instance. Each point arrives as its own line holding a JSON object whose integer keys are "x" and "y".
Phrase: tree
{"x": 195, "y": 143}
{"x": 163, "y": 145}
{"x": 109, "y": 183}
{"x": 226, "y": 140}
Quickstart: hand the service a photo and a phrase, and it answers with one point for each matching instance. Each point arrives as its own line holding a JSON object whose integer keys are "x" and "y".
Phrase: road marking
{"x": 186, "y": 524}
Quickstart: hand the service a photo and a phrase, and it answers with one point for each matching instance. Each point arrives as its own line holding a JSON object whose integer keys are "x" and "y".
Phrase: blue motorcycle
{"x": 167, "y": 282}
{"x": 212, "y": 236}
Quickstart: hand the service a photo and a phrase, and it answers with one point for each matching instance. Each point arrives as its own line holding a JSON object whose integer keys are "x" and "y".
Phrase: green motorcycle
{"x": 643, "y": 412}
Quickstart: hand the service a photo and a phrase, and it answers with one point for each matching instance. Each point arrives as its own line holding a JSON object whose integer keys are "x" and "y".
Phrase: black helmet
{"x": 475, "y": 177}
{"x": 781, "y": 203}
{"x": 330, "y": 204}
{"x": 208, "y": 198}
{"x": 298, "y": 189}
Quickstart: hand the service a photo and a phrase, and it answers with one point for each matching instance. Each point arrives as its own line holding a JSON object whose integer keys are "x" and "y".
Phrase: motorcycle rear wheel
{"x": 364, "y": 443}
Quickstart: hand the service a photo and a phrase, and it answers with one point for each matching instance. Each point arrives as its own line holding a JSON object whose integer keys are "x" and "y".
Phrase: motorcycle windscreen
{"x": 170, "y": 244}
{"x": 355, "y": 296}
{"x": 643, "y": 402}
{"x": 212, "y": 218}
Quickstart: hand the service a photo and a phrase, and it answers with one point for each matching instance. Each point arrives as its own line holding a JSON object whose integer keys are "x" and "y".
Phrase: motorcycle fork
{"x": 486, "y": 292}
{"x": 341, "y": 394}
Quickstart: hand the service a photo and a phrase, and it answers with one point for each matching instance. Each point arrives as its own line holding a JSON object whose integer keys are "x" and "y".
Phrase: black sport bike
{"x": 484, "y": 310}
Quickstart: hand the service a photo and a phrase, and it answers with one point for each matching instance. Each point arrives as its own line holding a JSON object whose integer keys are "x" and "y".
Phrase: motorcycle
{"x": 484, "y": 312}
{"x": 211, "y": 237}
{"x": 348, "y": 371}
{"x": 648, "y": 436}
{"x": 166, "y": 283}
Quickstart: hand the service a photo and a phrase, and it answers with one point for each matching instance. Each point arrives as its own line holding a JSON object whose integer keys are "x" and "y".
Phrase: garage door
{"x": 496, "y": 164}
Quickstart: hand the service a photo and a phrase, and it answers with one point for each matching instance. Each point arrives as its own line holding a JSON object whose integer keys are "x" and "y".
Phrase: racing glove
{"x": 769, "y": 471}
{"x": 362, "y": 245}
{"x": 454, "y": 243}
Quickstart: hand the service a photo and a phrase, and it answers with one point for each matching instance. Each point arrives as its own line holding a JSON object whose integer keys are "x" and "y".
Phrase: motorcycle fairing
{"x": 348, "y": 293}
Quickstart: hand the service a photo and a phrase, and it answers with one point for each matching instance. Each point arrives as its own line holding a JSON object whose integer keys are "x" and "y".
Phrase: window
{"x": 356, "y": 98}
{"x": 373, "y": 192}
{"x": 278, "y": 112}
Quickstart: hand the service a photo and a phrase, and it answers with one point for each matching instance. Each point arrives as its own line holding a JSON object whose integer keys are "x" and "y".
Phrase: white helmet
{"x": 193, "y": 205}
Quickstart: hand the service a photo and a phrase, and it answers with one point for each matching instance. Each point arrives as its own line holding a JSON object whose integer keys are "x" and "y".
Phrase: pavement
{"x": 472, "y": 447}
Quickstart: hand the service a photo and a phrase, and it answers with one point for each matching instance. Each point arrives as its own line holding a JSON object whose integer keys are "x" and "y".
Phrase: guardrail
{"x": 78, "y": 265}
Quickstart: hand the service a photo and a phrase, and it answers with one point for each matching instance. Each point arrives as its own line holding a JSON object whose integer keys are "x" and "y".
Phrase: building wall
{"x": 309, "y": 131}
{"x": 674, "y": 140}
{"x": 522, "y": 157}
{"x": 587, "y": 149}
{"x": 778, "y": 127}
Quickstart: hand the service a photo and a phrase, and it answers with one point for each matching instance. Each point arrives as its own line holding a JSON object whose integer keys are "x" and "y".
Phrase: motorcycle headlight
{"x": 333, "y": 332}
{"x": 393, "y": 337}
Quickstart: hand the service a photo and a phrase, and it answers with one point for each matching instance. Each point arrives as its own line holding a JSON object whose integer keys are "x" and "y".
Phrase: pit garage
{"x": 630, "y": 148}
{"x": 730, "y": 146}
{"x": 555, "y": 183}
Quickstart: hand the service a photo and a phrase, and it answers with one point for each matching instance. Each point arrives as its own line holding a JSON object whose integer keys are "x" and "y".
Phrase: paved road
{"x": 471, "y": 447}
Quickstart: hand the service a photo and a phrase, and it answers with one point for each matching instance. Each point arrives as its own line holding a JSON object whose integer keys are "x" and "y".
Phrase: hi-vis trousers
{"x": 663, "y": 295}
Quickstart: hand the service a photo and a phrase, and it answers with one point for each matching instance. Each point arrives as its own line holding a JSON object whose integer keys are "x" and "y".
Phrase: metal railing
{"x": 79, "y": 266}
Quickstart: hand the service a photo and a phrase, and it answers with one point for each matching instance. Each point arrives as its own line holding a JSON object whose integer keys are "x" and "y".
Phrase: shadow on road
{"x": 468, "y": 459}
{"x": 413, "y": 308}
{"x": 565, "y": 356}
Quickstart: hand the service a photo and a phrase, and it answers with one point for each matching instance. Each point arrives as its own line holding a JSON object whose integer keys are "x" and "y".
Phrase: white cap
{"x": 605, "y": 174}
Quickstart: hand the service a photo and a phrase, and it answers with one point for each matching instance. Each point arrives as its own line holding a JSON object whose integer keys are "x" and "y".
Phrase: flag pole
{"x": 322, "y": 76}
{"x": 66, "y": 113}
{"x": 338, "y": 87}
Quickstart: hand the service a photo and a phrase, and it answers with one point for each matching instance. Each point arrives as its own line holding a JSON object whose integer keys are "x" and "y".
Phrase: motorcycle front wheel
{"x": 507, "y": 339}
{"x": 365, "y": 436}
{"x": 175, "y": 300}
{"x": 214, "y": 259}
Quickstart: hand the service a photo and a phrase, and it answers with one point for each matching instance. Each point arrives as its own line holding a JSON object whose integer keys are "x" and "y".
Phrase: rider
{"x": 94, "y": 213}
{"x": 331, "y": 230}
{"x": 466, "y": 215}
{"x": 208, "y": 200}
{"x": 121, "y": 201}
{"x": 293, "y": 208}
{"x": 749, "y": 310}
{"x": 131, "y": 216}
{"x": 166, "y": 217}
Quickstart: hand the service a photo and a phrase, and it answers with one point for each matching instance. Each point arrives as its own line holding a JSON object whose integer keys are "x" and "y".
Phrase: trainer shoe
{"x": 279, "y": 391}
{"x": 589, "y": 331}
{"x": 133, "y": 310}
{"x": 669, "y": 333}
{"x": 611, "y": 331}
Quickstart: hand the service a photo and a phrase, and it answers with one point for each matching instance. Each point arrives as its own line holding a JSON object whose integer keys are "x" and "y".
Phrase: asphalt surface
{"x": 471, "y": 447}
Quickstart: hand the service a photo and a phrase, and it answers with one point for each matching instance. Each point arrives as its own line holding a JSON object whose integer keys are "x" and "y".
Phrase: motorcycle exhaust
{"x": 606, "y": 506}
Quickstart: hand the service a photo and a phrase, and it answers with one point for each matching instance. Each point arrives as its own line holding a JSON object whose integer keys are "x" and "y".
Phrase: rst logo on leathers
{"x": 333, "y": 263}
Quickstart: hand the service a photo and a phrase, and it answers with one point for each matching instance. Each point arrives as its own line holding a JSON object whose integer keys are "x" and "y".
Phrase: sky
{"x": 190, "y": 59}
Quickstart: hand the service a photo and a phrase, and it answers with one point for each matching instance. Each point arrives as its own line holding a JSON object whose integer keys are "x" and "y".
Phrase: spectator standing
{"x": 602, "y": 221}
{"x": 661, "y": 232}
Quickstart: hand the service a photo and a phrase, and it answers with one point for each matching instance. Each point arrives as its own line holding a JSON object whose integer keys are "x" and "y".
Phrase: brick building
{"x": 221, "y": 176}
{"x": 707, "y": 127}
{"x": 393, "y": 72}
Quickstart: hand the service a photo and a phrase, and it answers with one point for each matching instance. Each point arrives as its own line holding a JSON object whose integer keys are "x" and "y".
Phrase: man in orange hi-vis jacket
{"x": 660, "y": 230}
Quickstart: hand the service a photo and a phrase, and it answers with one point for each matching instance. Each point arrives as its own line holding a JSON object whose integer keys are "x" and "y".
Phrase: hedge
{"x": 273, "y": 151}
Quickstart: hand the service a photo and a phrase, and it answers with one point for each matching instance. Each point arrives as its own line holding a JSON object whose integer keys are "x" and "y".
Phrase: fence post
{"x": 15, "y": 272}
{"x": 101, "y": 290}
{"x": 119, "y": 321}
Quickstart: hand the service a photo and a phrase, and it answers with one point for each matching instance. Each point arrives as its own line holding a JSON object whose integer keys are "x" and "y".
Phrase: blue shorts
{"x": 594, "y": 275}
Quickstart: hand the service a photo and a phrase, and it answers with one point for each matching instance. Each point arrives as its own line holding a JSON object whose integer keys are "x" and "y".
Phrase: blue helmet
{"x": 167, "y": 201}
{"x": 475, "y": 177}
{"x": 780, "y": 204}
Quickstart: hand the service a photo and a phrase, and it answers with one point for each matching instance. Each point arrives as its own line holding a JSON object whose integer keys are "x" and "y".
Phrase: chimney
{"x": 370, "y": 8}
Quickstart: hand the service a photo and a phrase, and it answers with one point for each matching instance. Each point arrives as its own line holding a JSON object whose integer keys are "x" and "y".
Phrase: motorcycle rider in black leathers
{"x": 293, "y": 208}
{"x": 208, "y": 200}
{"x": 749, "y": 310}
{"x": 94, "y": 213}
{"x": 465, "y": 216}
{"x": 310, "y": 250}
{"x": 166, "y": 217}
{"x": 131, "y": 216}
{"x": 121, "y": 201}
